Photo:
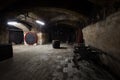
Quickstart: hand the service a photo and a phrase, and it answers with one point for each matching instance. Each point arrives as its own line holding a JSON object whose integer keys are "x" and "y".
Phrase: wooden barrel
{"x": 31, "y": 38}
{"x": 56, "y": 44}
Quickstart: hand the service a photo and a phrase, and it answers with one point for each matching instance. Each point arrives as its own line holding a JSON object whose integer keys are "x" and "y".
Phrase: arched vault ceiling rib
{"x": 57, "y": 11}
{"x": 51, "y": 15}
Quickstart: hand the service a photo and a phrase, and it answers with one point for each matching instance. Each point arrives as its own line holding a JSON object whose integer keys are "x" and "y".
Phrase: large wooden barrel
{"x": 31, "y": 38}
{"x": 56, "y": 44}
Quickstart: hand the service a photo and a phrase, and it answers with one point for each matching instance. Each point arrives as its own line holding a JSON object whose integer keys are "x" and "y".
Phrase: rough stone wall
{"x": 4, "y": 39}
{"x": 105, "y": 35}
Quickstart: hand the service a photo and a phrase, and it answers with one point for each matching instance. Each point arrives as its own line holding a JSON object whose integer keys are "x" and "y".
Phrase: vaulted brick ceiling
{"x": 104, "y": 2}
{"x": 49, "y": 15}
{"x": 84, "y": 7}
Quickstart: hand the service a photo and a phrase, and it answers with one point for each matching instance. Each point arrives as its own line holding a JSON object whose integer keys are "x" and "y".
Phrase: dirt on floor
{"x": 42, "y": 62}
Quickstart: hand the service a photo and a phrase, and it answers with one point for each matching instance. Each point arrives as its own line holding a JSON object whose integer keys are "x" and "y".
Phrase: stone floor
{"x": 42, "y": 62}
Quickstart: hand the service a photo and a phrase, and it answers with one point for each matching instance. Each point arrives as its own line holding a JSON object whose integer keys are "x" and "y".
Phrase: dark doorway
{"x": 16, "y": 36}
{"x": 64, "y": 33}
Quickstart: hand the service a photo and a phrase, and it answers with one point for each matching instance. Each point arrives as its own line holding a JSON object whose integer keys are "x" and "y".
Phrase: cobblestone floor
{"x": 42, "y": 62}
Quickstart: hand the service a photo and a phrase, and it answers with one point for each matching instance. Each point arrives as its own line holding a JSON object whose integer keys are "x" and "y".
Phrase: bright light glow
{"x": 12, "y": 23}
{"x": 18, "y": 25}
{"x": 40, "y": 22}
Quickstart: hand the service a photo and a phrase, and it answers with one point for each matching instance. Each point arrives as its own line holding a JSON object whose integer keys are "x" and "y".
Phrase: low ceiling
{"x": 86, "y": 7}
{"x": 104, "y": 2}
{"x": 59, "y": 10}
{"x": 82, "y": 6}
{"x": 56, "y": 16}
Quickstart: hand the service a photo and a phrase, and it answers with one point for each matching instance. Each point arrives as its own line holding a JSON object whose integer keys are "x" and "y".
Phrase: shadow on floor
{"x": 61, "y": 48}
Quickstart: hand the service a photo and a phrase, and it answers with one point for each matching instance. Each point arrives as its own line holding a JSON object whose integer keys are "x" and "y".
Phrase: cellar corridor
{"x": 59, "y": 39}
